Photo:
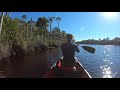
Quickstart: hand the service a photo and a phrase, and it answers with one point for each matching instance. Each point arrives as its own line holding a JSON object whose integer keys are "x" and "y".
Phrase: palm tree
{"x": 30, "y": 22}
{"x": 63, "y": 33}
{"x": 51, "y": 20}
{"x": 31, "y": 25}
{"x": 56, "y": 32}
{"x": 42, "y": 22}
{"x": 1, "y": 22}
{"x": 24, "y": 17}
{"x": 58, "y": 19}
{"x": 6, "y": 15}
{"x": 45, "y": 21}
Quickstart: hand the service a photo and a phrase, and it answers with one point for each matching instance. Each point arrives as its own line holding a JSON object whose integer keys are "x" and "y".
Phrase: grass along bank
{"x": 21, "y": 37}
{"x": 21, "y": 44}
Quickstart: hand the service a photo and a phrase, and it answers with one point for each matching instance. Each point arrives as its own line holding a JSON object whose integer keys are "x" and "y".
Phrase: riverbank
{"x": 16, "y": 45}
{"x": 17, "y": 56}
{"x": 97, "y": 44}
{"x": 21, "y": 38}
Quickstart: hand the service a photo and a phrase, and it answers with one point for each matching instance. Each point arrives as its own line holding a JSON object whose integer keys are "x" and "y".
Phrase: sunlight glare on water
{"x": 106, "y": 69}
{"x": 104, "y": 63}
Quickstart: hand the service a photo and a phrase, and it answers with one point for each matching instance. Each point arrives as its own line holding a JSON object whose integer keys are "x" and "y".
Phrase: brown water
{"x": 32, "y": 66}
{"x": 104, "y": 63}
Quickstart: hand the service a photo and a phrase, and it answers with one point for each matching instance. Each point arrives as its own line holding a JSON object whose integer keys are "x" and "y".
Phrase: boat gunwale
{"x": 61, "y": 58}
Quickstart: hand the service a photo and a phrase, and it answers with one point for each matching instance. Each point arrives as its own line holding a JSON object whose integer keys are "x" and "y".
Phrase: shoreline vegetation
{"x": 19, "y": 37}
{"x": 105, "y": 41}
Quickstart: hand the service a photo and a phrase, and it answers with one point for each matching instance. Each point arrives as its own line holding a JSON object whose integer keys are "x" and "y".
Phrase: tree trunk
{"x": 58, "y": 28}
{"x": 1, "y": 22}
{"x": 31, "y": 26}
{"x": 45, "y": 35}
{"x": 6, "y": 15}
{"x": 58, "y": 24}
{"x": 50, "y": 34}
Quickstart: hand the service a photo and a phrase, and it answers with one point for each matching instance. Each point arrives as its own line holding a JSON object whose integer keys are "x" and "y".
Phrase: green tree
{"x": 24, "y": 17}
{"x": 56, "y": 32}
{"x": 31, "y": 24}
{"x": 51, "y": 20}
{"x": 58, "y": 19}
{"x": 63, "y": 34}
{"x": 42, "y": 23}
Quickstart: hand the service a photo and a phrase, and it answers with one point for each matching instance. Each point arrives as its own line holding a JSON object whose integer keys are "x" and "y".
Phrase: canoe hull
{"x": 57, "y": 71}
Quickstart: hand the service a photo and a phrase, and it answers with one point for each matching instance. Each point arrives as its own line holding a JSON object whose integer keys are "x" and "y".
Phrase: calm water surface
{"x": 104, "y": 63}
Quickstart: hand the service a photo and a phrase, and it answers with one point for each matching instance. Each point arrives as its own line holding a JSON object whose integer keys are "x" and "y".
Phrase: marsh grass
{"x": 20, "y": 43}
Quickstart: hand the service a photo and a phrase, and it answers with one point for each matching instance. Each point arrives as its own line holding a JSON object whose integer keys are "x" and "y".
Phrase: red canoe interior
{"x": 81, "y": 74}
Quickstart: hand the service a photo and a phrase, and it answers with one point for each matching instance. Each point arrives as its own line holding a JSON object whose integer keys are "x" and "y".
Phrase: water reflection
{"x": 106, "y": 69}
{"x": 54, "y": 55}
{"x": 33, "y": 66}
{"x": 104, "y": 63}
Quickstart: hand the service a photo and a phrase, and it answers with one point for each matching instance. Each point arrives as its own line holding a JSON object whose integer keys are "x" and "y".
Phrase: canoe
{"x": 59, "y": 71}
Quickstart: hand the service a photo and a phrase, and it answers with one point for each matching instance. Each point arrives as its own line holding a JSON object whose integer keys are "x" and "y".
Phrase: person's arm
{"x": 77, "y": 49}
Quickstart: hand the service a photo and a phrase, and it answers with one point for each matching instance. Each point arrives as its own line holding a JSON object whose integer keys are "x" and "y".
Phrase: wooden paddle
{"x": 89, "y": 49}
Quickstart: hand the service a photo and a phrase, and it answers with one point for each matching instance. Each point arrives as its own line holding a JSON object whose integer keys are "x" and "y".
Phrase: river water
{"x": 104, "y": 63}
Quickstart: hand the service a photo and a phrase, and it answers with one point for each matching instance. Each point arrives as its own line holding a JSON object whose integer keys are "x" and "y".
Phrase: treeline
{"x": 19, "y": 37}
{"x": 105, "y": 41}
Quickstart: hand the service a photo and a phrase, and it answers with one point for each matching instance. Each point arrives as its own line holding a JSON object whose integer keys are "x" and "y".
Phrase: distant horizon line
{"x": 99, "y": 38}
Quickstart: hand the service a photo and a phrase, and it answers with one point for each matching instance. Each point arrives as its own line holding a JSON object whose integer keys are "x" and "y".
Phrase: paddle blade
{"x": 89, "y": 49}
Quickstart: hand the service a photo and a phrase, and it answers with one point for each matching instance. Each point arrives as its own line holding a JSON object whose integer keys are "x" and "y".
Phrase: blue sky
{"x": 83, "y": 25}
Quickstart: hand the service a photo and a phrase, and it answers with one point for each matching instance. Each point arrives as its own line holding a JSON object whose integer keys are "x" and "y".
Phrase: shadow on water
{"x": 104, "y": 63}
{"x": 33, "y": 66}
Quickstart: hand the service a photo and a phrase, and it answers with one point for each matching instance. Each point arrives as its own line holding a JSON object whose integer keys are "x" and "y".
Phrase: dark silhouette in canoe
{"x": 69, "y": 66}
{"x": 68, "y": 50}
